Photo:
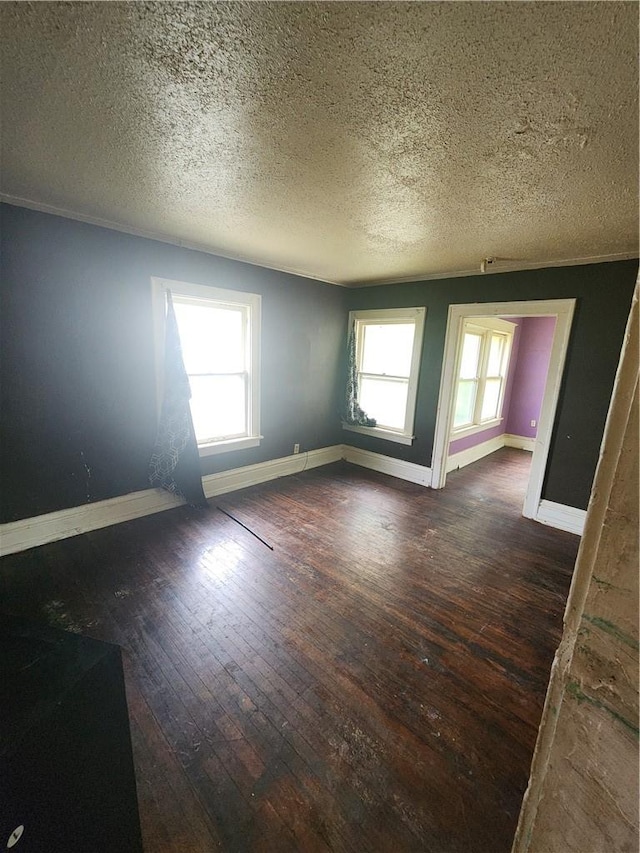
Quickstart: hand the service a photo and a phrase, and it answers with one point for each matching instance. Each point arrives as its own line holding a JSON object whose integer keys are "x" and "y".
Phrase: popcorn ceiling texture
{"x": 348, "y": 141}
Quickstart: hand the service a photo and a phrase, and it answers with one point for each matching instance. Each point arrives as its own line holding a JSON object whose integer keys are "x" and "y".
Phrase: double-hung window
{"x": 483, "y": 361}
{"x": 220, "y": 340}
{"x": 388, "y": 350}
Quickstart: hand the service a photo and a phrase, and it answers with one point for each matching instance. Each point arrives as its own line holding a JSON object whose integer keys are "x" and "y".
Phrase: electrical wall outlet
{"x": 296, "y": 448}
{"x": 533, "y": 423}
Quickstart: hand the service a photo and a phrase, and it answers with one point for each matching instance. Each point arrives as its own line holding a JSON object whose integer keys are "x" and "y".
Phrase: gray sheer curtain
{"x": 353, "y": 414}
{"x": 175, "y": 461}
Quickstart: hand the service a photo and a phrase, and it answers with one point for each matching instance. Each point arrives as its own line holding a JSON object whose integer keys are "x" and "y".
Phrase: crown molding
{"x": 159, "y": 236}
{"x": 497, "y": 267}
{"x": 500, "y": 267}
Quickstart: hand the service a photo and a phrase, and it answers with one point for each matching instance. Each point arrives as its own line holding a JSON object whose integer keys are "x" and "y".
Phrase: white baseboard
{"x": 31, "y": 532}
{"x": 521, "y": 442}
{"x": 472, "y": 454}
{"x": 251, "y": 475}
{"x": 388, "y": 465}
{"x": 561, "y": 516}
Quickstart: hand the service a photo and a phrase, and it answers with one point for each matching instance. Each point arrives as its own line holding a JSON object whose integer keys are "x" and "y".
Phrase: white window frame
{"x": 486, "y": 327}
{"x": 251, "y": 304}
{"x": 380, "y": 317}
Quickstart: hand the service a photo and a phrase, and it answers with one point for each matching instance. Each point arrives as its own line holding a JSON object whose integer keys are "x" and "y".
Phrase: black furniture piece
{"x": 67, "y": 781}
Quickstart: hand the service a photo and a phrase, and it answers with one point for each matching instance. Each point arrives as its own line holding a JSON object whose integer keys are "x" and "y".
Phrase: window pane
{"x": 470, "y": 356}
{"x": 490, "y": 399}
{"x": 385, "y": 400}
{"x": 218, "y": 406}
{"x": 212, "y": 338}
{"x": 387, "y": 349}
{"x": 465, "y": 402}
{"x": 496, "y": 351}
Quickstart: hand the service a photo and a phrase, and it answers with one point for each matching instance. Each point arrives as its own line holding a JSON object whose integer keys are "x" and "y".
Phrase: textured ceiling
{"x": 349, "y": 142}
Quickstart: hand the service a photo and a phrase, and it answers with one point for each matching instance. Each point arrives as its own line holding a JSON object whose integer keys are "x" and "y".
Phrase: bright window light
{"x": 483, "y": 362}
{"x": 215, "y": 354}
{"x": 219, "y": 337}
{"x": 388, "y": 345}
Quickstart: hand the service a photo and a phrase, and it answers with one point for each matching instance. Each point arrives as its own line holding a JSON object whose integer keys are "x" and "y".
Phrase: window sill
{"x": 227, "y": 446}
{"x": 474, "y": 428}
{"x": 378, "y": 432}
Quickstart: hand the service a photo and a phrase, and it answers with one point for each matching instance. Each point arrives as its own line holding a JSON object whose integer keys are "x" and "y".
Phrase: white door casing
{"x": 562, "y": 310}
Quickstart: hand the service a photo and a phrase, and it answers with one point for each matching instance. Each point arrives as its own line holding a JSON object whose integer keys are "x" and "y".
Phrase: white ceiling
{"x": 350, "y": 142}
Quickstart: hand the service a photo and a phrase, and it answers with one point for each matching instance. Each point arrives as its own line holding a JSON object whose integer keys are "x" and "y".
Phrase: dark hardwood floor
{"x": 374, "y": 683}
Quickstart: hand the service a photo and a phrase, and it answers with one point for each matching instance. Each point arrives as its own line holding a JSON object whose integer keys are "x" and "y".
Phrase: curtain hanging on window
{"x": 353, "y": 413}
{"x": 175, "y": 462}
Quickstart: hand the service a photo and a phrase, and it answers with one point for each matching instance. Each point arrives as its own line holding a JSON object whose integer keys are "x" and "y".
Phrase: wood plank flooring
{"x": 374, "y": 683}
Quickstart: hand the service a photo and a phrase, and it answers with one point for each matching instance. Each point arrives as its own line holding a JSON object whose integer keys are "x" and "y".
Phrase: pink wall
{"x": 530, "y": 376}
{"x": 526, "y": 380}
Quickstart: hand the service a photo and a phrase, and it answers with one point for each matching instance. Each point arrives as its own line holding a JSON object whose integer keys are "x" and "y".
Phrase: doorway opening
{"x": 471, "y": 404}
{"x": 498, "y": 479}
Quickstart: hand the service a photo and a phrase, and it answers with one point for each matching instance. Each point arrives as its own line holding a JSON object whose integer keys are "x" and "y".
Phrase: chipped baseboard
{"x": 31, "y": 532}
{"x": 562, "y": 516}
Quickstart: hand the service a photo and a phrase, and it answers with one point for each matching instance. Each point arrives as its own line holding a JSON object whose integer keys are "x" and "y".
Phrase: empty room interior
{"x": 319, "y": 427}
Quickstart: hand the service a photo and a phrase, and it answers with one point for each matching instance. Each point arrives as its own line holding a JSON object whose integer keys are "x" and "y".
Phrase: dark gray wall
{"x": 78, "y": 378}
{"x": 603, "y": 293}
